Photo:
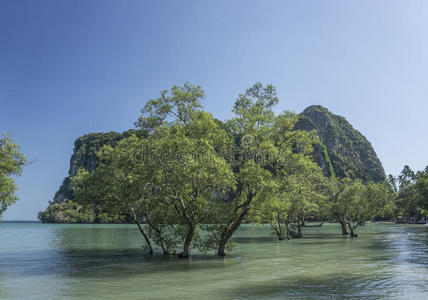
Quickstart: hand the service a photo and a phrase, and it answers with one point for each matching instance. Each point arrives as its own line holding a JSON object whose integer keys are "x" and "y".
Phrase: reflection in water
{"x": 409, "y": 264}
{"x": 42, "y": 261}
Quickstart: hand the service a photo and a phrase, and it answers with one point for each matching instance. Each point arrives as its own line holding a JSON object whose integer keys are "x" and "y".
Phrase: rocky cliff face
{"x": 343, "y": 151}
{"x": 84, "y": 155}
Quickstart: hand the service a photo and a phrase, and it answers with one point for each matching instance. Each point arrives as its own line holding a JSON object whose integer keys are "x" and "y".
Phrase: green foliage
{"x": 169, "y": 178}
{"x": 11, "y": 163}
{"x": 185, "y": 147}
{"x": 350, "y": 154}
{"x": 295, "y": 193}
{"x": 176, "y": 106}
{"x": 254, "y": 153}
{"x": 327, "y": 159}
{"x": 66, "y": 212}
{"x": 422, "y": 186}
{"x": 352, "y": 201}
{"x": 410, "y": 194}
{"x": 85, "y": 156}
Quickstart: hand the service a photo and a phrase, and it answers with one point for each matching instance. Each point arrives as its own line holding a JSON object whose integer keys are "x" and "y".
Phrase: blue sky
{"x": 72, "y": 67}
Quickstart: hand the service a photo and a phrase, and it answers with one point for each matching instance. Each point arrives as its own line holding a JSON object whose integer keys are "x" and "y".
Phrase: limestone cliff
{"x": 343, "y": 150}
{"x": 84, "y": 155}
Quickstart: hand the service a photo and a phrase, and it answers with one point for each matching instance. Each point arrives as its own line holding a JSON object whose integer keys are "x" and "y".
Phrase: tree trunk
{"x": 188, "y": 241}
{"x": 287, "y": 228}
{"x": 278, "y": 229}
{"x": 339, "y": 218}
{"x": 300, "y": 223}
{"x": 146, "y": 238}
{"x": 159, "y": 240}
{"x": 351, "y": 229}
{"x": 299, "y": 230}
{"x": 149, "y": 245}
{"x": 343, "y": 226}
{"x": 228, "y": 232}
{"x": 233, "y": 225}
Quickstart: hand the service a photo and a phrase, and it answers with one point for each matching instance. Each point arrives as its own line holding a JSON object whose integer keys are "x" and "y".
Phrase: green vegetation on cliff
{"x": 327, "y": 159}
{"x": 72, "y": 212}
{"x": 85, "y": 155}
{"x": 63, "y": 209}
{"x": 351, "y": 155}
{"x": 66, "y": 212}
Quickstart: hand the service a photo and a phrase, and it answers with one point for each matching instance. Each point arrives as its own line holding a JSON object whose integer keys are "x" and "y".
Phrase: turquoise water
{"x": 52, "y": 261}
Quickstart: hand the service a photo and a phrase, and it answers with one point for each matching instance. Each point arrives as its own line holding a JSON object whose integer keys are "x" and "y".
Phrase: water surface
{"x": 52, "y": 261}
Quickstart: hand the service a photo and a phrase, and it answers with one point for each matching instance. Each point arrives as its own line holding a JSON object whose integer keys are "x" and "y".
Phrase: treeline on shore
{"x": 190, "y": 180}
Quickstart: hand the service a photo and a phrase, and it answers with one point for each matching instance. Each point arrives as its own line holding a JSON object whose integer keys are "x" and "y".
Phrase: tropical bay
{"x": 54, "y": 261}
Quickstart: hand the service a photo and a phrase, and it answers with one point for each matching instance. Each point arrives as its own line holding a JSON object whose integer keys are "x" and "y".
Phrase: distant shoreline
{"x": 19, "y": 221}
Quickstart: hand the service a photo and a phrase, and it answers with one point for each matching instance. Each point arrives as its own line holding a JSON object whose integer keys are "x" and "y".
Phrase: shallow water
{"x": 52, "y": 261}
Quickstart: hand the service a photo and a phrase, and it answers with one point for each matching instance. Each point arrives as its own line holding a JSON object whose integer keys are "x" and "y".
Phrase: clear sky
{"x": 73, "y": 67}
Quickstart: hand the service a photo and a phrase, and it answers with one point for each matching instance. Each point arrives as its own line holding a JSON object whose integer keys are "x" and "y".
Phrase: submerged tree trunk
{"x": 149, "y": 245}
{"x": 188, "y": 241}
{"x": 300, "y": 223}
{"x": 343, "y": 223}
{"x": 189, "y": 217}
{"x": 234, "y": 224}
{"x": 146, "y": 238}
{"x": 278, "y": 230}
{"x": 297, "y": 228}
{"x": 299, "y": 231}
{"x": 287, "y": 229}
{"x": 160, "y": 240}
{"x": 343, "y": 226}
{"x": 228, "y": 232}
{"x": 352, "y": 228}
